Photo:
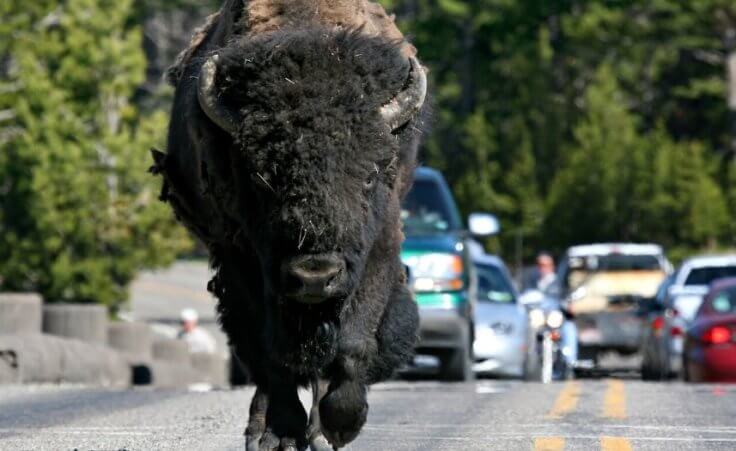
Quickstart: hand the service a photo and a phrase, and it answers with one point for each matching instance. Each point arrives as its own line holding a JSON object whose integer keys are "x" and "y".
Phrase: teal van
{"x": 436, "y": 252}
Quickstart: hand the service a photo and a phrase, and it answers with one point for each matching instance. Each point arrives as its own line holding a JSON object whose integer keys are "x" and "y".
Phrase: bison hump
{"x": 265, "y": 16}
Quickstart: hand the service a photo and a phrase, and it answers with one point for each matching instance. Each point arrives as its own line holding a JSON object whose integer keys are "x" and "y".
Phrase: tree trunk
{"x": 731, "y": 86}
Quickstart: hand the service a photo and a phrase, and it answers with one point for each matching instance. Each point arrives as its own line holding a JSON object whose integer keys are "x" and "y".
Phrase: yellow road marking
{"x": 549, "y": 444}
{"x": 566, "y": 401}
{"x": 614, "y": 401}
{"x": 615, "y": 444}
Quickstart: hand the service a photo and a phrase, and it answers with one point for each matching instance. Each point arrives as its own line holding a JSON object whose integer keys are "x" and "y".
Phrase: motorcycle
{"x": 556, "y": 336}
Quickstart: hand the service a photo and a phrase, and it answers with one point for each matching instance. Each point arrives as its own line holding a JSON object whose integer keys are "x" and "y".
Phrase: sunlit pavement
{"x": 485, "y": 415}
{"x": 584, "y": 415}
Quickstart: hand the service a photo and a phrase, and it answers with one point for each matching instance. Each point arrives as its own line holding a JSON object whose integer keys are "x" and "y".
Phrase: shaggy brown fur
{"x": 256, "y": 17}
{"x": 311, "y": 170}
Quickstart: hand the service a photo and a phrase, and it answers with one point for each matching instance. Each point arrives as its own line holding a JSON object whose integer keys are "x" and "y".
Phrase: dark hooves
{"x": 268, "y": 441}
{"x": 320, "y": 443}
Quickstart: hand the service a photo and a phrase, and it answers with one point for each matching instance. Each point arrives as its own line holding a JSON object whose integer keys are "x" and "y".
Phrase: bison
{"x": 292, "y": 141}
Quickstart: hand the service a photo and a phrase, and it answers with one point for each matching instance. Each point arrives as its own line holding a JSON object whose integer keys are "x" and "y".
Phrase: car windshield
{"x": 425, "y": 209}
{"x": 493, "y": 286}
{"x": 580, "y": 268}
{"x": 617, "y": 262}
{"x": 704, "y": 276}
{"x": 724, "y": 302}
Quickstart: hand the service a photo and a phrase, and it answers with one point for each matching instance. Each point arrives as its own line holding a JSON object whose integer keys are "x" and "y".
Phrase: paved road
{"x": 611, "y": 415}
{"x": 158, "y": 297}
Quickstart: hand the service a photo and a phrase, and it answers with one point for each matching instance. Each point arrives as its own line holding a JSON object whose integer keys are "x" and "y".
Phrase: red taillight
{"x": 717, "y": 335}
{"x": 658, "y": 323}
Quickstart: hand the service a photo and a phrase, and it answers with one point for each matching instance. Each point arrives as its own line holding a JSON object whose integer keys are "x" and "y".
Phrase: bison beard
{"x": 288, "y": 156}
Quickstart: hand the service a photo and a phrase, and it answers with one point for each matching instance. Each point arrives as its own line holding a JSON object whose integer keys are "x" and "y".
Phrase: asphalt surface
{"x": 591, "y": 414}
{"x": 485, "y": 415}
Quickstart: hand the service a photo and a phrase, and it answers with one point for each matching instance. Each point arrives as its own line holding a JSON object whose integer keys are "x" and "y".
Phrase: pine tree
{"x": 79, "y": 215}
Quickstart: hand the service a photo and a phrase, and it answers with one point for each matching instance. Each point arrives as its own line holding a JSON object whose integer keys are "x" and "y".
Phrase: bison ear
{"x": 209, "y": 99}
{"x": 159, "y": 161}
{"x": 399, "y": 110}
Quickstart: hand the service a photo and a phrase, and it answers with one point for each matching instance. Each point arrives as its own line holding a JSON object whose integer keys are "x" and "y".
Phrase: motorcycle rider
{"x": 545, "y": 280}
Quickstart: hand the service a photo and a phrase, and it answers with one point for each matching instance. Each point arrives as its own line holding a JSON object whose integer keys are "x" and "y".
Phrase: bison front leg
{"x": 344, "y": 408}
{"x": 317, "y": 440}
{"x": 256, "y": 420}
{"x": 366, "y": 359}
{"x": 277, "y": 420}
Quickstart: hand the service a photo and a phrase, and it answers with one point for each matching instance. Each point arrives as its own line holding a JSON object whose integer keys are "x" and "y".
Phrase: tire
{"x": 685, "y": 372}
{"x": 655, "y": 368}
{"x": 456, "y": 364}
{"x": 532, "y": 369}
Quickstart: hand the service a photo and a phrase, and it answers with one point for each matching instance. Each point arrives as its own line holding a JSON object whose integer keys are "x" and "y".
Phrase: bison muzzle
{"x": 292, "y": 141}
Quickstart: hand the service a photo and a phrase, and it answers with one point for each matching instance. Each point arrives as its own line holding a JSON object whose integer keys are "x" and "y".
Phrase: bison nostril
{"x": 313, "y": 278}
{"x": 333, "y": 280}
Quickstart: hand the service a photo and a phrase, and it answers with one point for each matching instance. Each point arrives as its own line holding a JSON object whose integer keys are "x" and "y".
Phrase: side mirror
{"x": 483, "y": 224}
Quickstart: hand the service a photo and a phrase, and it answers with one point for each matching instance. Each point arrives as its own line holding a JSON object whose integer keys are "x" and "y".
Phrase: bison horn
{"x": 399, "y": 110}
{"x": 218, "y": 113}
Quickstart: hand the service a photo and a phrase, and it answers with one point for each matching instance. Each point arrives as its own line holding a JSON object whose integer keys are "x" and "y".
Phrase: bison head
{"x": 308, "y": 130}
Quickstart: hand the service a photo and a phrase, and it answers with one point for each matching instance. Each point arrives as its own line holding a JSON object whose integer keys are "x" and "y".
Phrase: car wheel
{"x": 649, "y": 374}
{"x": 685, "y": 372}
{"x": 532, "y": 365}
{"x": 456, "y": 364}
{"x": 655, "y": 368}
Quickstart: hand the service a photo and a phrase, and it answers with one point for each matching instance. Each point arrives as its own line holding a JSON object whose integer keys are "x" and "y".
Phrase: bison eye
{"x": 370, "y": 182}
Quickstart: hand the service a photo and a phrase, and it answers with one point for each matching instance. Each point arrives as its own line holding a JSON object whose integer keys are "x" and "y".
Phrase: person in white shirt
{"x": 546, "y": 276}
{"x": 198, "y": 339}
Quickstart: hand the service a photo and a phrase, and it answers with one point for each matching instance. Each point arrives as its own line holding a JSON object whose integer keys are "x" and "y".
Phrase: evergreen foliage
{"x": 585, "y": 121}
{"x": 79, "y": 215}
{"x": 572, "y": 121}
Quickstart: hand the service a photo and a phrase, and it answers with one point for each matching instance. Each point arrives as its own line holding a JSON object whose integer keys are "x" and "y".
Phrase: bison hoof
{"x": 268, "y": 441}
{"x": 319, "y": 443}
{"x": 342, "y": 413}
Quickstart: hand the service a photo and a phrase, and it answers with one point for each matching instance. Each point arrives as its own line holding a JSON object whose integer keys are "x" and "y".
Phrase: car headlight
{"x": 435, "y": 272}
{"x": 555, "y": 318}
{"x": 537, "y": 318}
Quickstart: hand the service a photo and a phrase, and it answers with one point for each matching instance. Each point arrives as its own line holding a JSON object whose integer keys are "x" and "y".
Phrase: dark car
{"x": 442, "y": 276}
{"x": 710, "y": 341}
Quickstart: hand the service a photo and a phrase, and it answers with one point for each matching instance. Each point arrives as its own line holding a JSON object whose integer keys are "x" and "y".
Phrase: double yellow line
{"x": 614, "y": 407}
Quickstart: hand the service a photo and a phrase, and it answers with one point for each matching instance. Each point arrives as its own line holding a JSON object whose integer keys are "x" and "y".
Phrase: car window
{"x": 578, "y": 269}
{"x": 724, "y": 302}
{"x": 493, "y": 286}
{"x": 426, "y": 209}
{"x": 704, "y": 276}
{"x": 663, "y": 289}
{"x": 617, "y": 262}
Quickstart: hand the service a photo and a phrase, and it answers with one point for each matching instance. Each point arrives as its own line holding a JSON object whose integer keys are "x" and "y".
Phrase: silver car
{"x": 502, "y": 335}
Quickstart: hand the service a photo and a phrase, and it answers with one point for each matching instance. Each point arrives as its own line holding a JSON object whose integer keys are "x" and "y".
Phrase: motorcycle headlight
{"x": 537, "y": 318}
{"x": 555, "y": 318}
{"x": 435, "y": 272}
